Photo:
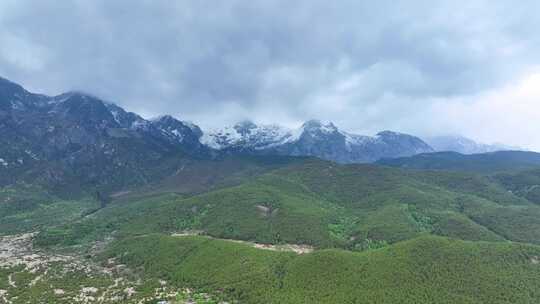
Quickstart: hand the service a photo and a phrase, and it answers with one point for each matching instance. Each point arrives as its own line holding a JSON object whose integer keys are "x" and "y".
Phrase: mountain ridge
{"x": 464, "y": 145}
{"x": 77, "y": 140}
{"x": 314, "y": 138}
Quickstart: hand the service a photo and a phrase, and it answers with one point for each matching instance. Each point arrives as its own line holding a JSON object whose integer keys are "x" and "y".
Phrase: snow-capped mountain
{"x": 176, "y": 130}
{"x": 75, "y": 140}
{"x": 464, "y": 145}
{"x": 72, "y": 124}
{"x": 245, "y": 136}
{"x": 314, "y": 138}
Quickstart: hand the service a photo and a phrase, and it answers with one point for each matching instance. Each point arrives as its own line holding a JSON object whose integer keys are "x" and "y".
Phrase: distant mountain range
{"x": 314, "y": 138}
{"x": 453, "y": 161}
{"x": 464, "y": 145}
{"x": 77, "y": 136}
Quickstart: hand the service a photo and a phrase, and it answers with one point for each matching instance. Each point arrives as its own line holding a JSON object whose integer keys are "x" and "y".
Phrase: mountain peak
{"x": 163, "y": 119}
{"x": 80, "y": 94}
{"x": 312, "y": 123}
{"x": 10, "y": 90}
{"x": 77, "y": 97}
{"x": 464, "y": 145}
{"x": 317, "y": 125}
{"x": 7, "y": 82}
{"x": 388, "y": 133}
{"x": 244, "y": 127}
{"x": 176, "y": 128}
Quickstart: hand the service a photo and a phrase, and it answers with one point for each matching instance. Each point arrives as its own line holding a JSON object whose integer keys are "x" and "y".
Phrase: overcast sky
{"x": 423, "y": 67}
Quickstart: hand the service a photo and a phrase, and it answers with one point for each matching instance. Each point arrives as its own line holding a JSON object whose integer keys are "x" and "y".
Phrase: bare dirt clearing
{"x": 296, "y": 248}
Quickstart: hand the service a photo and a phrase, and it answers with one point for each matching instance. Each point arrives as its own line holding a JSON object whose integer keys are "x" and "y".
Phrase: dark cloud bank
{"x": 414, "y": 66}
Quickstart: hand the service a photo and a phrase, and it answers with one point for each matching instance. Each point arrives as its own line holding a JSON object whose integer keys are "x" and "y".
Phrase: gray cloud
{"x": 367, "y": 66}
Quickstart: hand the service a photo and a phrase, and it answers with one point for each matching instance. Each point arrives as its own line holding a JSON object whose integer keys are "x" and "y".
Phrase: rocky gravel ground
{"x": 30, "y": 275}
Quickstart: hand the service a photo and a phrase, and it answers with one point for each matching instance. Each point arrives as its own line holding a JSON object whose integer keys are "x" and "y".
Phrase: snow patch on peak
{"x": 464, "y": 145}
{"x": 59, "y": 99}
{"x": 178, "y": 135}
{"x": 389, "y": 134}
{"x": 314, "y": 125}
{"x": 115, "y": 114}
{"x": 245, "y": 124}
{"x": 192, "y": 126}
{"x": 356, "y": 140}
{"x": 139, "y": 124}
{"x": 162, "y": 118}
{"x": 246, "y": 135}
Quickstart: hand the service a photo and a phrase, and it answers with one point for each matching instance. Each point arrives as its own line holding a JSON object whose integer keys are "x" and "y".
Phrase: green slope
{"x": 25, "y": 208}
{"x": 485, "y": 163}
{"x": 29, "y": 207}
{"x": 326, "y": 205}
{"x": 525, "y": 184}
{"x": 422, "y": 270}
{"x": 383, "y": 235}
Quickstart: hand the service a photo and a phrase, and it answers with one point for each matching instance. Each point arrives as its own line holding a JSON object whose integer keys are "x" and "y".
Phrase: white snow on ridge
{"x": 178, "y": 135}
{"x": 357, "y": 140}
{"x": 209, "y": 140}
{"x": 221, "y": 138}
{"x": 464, "y": 145}
{"x": 248, "y": 135}
{"x": 190, "y": 125}
{"x": 114, "y": 113}
{"x": 256, "y": 137}
{"x": 140, "y": 124}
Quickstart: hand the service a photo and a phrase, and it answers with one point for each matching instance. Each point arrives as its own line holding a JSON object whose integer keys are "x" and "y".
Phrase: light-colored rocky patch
{"x": 188, "y": 233}
{"x": 129, "y": 291}
{"x": 17, "y": 250}
{"x": 266, "y": 211}
{"x": 89, "y": 290}
{"x": 296, "y": 248}
{"x": 11, "y": 282}
{"x": 263, "y": 208}
{"x": 166, "y": 295}
{"x": 299, "y": 249}
{"x": 120, "y": 193}
{"x": 35, "y": 280}
{"x": 4, "y": 297}
{"x": 18, "y": 255}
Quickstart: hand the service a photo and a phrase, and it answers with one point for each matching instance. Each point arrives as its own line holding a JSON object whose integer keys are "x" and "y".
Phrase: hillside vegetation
{"x": 423, "y": 270}
{"x": 484, "y": 162}
{"x": 326, "y": 205}
{"x": 381, "y": 234}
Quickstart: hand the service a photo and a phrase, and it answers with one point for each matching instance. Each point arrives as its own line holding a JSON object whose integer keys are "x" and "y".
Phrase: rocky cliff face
{"x": 77, "y": 139}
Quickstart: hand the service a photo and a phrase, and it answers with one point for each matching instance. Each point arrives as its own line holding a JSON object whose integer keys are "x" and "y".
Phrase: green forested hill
{"x": 422, "y": 270}
{"x": 327, "y": 205}
{"x": 381, "y": 234}
{"x": 484, "y": 163}
{"x": 523, "y": 183}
